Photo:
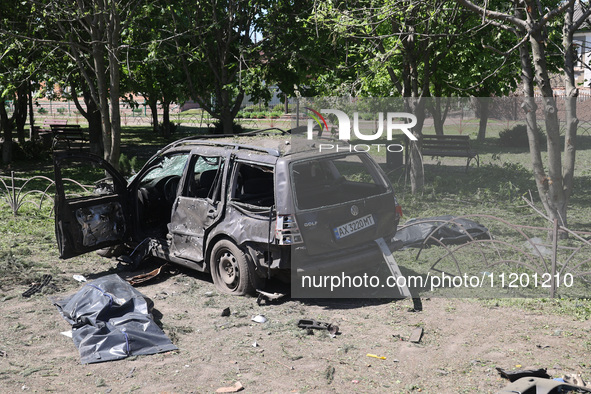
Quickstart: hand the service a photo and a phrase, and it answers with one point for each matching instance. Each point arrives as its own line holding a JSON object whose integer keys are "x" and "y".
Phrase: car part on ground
{"x": 38, "y": 286}
{"x": 111, "y": 320}
{"x": 541, "y": 386}
{"x": 447, "y": 230}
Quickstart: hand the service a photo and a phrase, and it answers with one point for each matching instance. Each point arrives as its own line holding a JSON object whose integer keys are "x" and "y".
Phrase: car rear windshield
{"x": 335, "y": 180}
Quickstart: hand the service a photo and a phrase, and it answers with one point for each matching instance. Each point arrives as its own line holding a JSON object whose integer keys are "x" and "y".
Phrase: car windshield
{"x": 335, "y": 180}
{"x": 170, "y": 165}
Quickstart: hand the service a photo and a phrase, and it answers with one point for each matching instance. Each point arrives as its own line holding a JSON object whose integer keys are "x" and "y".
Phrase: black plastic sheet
{"x": 111, "y": 320}
{"x": 447, "y": 230}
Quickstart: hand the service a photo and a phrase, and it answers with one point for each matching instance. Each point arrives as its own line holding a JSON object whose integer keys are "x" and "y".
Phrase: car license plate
{"x": 353, "y": 226}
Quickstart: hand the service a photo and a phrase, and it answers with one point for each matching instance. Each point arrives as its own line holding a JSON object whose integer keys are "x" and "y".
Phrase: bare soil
{"x": 463, "y": 342}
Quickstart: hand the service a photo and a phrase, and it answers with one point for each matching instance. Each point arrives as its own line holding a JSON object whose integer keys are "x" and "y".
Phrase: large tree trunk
{"x": 93, "y": 117}
{"x": 439, "y": 113}
{"x": 572, "y": 92}
{"x": 20, "y": 111}
{"x": 553, "y": 198}
{"x": 113, "y": 37}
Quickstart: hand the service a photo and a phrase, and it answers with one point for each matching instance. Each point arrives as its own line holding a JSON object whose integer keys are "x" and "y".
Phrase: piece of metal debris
{"x": 259, "y": 319}
{"x": 231, "y": 389}
{"x": 309, "y": 324}
{"x": 416, "y": 335}
{"x": 38, "y": 286}
{"x": 522, "y": 373}
{"x": 265, "y": 296}
{"x": 226, "y": 312}
{"x": 79, "y": 278}
{"x": 137, "y": 279}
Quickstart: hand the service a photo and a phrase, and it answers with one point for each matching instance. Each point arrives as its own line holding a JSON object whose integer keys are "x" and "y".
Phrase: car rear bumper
{"x": 344, "y": 261}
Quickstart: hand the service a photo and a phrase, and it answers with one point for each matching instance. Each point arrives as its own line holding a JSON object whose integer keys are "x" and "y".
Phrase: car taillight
{"x": 287, "y": 231}
{"x": 399, "y": 211}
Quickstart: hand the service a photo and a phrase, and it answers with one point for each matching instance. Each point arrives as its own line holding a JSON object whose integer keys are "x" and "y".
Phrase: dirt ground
{"x": 463, "y": 342}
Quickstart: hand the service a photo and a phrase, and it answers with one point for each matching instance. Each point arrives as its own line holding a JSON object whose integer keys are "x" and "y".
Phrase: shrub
{"x": 278, "y": 108}
{"x": 517, "y": 137}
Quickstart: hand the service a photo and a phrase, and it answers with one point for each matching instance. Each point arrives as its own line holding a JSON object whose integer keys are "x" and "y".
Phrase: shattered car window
{"x": 335, "y": 180}
{"x": 170, "y": 165}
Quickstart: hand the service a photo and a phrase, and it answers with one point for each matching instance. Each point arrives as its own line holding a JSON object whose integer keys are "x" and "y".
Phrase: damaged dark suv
{"x": 239, "y": 208}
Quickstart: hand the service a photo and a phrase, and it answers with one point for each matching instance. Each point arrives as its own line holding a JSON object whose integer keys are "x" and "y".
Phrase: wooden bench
{"x": 67, "y": 136}
{"x": 449, "y": 146}
{"x": 47, "y": 123}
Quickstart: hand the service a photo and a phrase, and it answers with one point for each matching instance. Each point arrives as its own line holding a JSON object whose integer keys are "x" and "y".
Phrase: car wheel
{"x": 231, "y": 270}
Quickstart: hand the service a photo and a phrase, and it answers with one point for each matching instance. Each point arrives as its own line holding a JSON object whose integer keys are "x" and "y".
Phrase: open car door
{"x": 91, "y": 217}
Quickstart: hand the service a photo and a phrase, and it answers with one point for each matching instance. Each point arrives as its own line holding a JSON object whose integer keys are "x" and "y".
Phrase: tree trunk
{"x": 416, "y": 170}
{"x": 166, "y": 129}
{"x": 572, "y": 92}
{"x": 103, "y": 95}
{"x": 20, "y": 111}
{"x": 113, "y": 38}
{"x": 484, "y": 106}
{"x": 439, "y": 114}
{"x": 553, "y": 198}
{"x": 6, "y": 126}
{"x": 153, "y": 104}
{"x": 33, "y": 135}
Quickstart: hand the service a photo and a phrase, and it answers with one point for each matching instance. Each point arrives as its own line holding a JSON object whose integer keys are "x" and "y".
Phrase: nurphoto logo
{"x": 344, "y": 129}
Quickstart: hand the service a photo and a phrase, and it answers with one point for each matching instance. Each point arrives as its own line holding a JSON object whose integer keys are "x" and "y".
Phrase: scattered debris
{"x": 542, "y": 346}
{"x": 265, "y": 296}
{"x": 375, "y": 356}
{"x": 355, "y": 381}
{"x": 226, "y": 312}
{"x": 141, "y": 278}
{"x": 130, "y": 373}
{"x": 575, "y": 379}
{"x": 255, "y": 344}
{"x": 231, "y": 389}
{"x": 3, "y": 353}
{"x": 541, "y": 385}
{"x": 79, "y": 278}
{"x": 522, "y": 373}
{"x": 208, "y": 294}
{"x": 38, "y": 286}
{"x": 259, "y": 319}
{"x": 329, "y": 374}
{"x": 310, "y": 324}
{"x": 286, "y": 366}
{"x": 416, "y": 335}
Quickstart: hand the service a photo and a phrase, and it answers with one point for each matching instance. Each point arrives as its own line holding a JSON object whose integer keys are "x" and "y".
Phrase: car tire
{"x": 231, "y": 269}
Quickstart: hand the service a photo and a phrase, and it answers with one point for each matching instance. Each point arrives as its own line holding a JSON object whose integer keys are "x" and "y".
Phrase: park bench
{"x": 67, "y": 136}
{"x": 449, "y": 146}
{"x": 47, "y": 123}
